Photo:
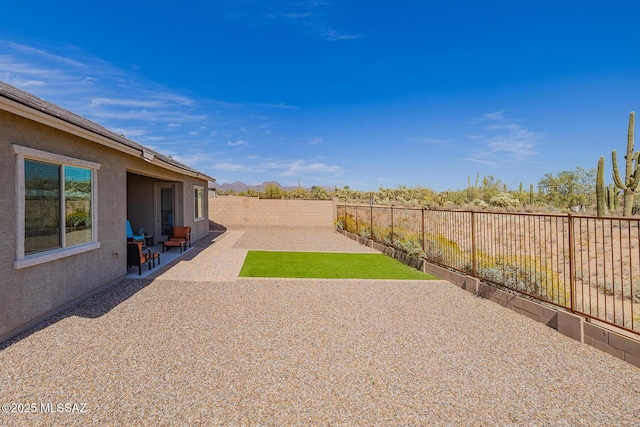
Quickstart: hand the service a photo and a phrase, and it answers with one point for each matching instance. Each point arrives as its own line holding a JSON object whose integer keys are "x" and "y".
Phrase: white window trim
{"x": 200, "y": 218}
{"x": 23, "y": 261}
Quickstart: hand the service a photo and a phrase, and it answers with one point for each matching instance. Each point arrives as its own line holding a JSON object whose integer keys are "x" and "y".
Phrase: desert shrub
{"x": 388, "y": 238}
{"x": 364, "y": 232}
{"x": 523, "y": 274}
{"x": 350, "y": 224}
{"x": 77, "y": 219}
{"x": 480, "y": 203}
{"x": 272, "y": 191}
{"x": 438, "y": 249}
{"x": 623, "y": 292}
{"x": 504, "y": 200}
{"x": 433, "y": 252}
{"x": 412, "y": 247}
{"x": 346, "y": 223}
{"x": 298, "y": 193}
{"x": 403, "y": 240}
{"x": 319, "y": 193}
{"x": 409, "y": 243}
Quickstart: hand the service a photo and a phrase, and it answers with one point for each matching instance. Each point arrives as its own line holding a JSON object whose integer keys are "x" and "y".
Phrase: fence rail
{"x": 588, "y": 265}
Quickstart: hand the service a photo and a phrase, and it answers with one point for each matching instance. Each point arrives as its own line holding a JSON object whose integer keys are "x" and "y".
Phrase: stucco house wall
{"x": 33, "y": 292}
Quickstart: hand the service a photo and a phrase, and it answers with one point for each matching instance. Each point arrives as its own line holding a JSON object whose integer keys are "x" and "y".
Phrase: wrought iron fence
{"x": 585, "y": 264}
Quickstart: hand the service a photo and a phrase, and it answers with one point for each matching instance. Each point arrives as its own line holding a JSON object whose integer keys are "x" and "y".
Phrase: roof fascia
{"x": 47, "y": 119}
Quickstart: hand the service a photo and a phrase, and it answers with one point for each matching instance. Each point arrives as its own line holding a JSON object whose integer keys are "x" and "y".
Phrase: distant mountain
{"x": 241, "y": 187}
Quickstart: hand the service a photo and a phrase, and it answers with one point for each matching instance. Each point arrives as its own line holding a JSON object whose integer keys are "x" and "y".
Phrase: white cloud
{"x": 300, "y": 167}
{"x": 228, "y": 166}
{"x": 296, "y": 15}
{"x": 315, "y": 141}
{"x": 509, "y": 126}
{"x": 312, "y": 18}
{"x": 130, "y": 132}
{"x": 505, "y": 142}
{"x": 329, "y": 33}
{"x": 333, "y": 35}
{"x": 150, "y": 113}
{"x": 427, "y": 140}
{"x": 236, "y": 143}
{"x": 99, "y": 102}
{"x": 498, "y": 115}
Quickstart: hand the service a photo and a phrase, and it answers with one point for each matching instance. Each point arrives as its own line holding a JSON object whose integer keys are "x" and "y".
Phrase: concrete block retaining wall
{"x": 571, "y": 325}
{"x": 241, "y": 213}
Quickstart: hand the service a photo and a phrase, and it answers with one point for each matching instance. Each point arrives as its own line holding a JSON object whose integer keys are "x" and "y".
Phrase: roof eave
{"x": 48, "y": 119}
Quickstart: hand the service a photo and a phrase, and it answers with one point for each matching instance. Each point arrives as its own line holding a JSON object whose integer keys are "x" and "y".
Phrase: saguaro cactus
{"x": 600, "y": 194}
{"x": 632, "y": 170}
{"x": 612, "y": 197}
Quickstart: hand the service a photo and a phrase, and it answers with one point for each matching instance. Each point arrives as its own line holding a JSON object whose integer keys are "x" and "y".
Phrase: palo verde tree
{"x": 569, "y": 188}
{"x": 272, "y": 191}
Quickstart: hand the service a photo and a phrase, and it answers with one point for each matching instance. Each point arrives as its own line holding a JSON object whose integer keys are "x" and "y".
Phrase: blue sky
{"x": 357, "y": 93}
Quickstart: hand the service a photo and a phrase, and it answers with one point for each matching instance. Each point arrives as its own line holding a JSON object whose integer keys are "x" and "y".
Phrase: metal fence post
{"x": 372, "y": 237}
{"x": 356, "y": 219}
{"x": 474, "y": 266}
{"x": 423, "y": 230}
{"x": 572, "y": 280}
{"x": 345, "y": 218}
{"x": 391, "y": 225}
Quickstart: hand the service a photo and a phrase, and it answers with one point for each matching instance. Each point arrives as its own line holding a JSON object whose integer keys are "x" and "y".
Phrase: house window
{"x": 56, "y": 198}
{"x": 41, "y": 207}
{"x": 199, "y": 201}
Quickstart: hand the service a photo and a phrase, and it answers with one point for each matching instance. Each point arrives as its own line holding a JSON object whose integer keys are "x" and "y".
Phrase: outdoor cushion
{"x": 136, "y": 255}
{"x": 181, "y": 234}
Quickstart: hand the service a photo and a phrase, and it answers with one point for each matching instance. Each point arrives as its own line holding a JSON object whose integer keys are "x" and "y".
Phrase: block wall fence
{"x": 240, "y": 213}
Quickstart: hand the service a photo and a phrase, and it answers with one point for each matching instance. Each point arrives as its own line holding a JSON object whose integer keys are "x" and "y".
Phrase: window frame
{"x": 26, "y": 153}
{"x": 197, "y": 188}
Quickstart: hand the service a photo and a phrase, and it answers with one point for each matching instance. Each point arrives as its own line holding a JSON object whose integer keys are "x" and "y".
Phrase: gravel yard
{"x": 308, "y": 240}
{"x": 307, "y": 352}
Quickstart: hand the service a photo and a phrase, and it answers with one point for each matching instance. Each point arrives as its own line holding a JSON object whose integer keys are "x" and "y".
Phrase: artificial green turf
{"x": 325, "y": 265}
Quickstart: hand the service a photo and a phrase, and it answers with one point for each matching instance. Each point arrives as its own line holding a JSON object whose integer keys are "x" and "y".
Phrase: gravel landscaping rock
{"x": 308, "y": 352}
{"x": 308, "y": 240}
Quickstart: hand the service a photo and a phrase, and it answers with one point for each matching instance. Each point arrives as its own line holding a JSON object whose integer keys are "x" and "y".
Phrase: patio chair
{"x": 134, "y": 237}
{"x": 180, "y": 237}
{"x": 136, "y": 255}
{"x": 181, "y": 234}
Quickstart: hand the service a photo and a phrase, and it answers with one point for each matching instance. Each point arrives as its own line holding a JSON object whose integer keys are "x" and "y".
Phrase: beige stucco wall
{"x": 30, "y": 293}
{"x": 234, "y": 212}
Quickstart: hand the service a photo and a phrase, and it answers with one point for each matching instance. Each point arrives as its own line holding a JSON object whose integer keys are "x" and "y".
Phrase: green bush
{"x": 364, "y": 232}
{"x": 272, "y": 191}
{"x": 523, "y": 274}
{"x": 504, "y": 200}
{"x": 480, "y": 203}
{"x": 77, "y": 219}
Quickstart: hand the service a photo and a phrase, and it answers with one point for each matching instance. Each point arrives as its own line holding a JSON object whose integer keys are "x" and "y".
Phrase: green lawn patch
{"x": 325, "y": 265}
